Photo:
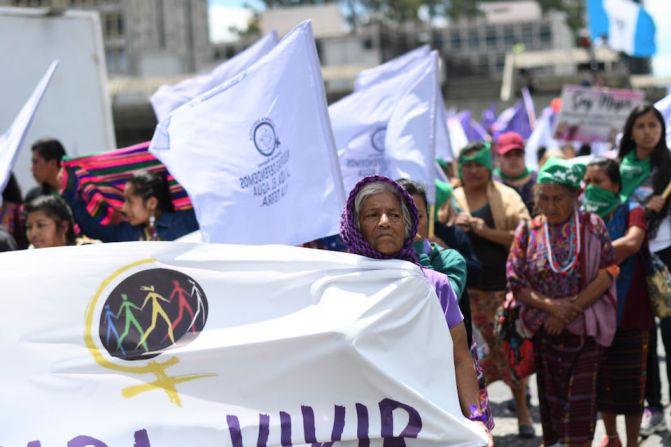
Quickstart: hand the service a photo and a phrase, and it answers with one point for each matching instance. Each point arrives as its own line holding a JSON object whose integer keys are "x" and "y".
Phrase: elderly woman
{"x": 380, "y": 221}
{"x": 489, "y": 212}
{"x": 561, "y": 269}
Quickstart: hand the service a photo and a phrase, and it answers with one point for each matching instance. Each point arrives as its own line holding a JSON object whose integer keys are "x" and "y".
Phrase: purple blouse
{"x": 446, "y": 296}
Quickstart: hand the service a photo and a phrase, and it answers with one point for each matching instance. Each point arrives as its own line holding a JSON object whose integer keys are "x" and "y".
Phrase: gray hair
{"x": 376, "y": 188}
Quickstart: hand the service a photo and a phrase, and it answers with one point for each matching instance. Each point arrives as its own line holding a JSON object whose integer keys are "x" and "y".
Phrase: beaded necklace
{"x": 574, "y": 246}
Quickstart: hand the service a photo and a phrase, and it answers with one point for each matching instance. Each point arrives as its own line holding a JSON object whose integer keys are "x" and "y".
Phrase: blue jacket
{"x": 169, "y": 226}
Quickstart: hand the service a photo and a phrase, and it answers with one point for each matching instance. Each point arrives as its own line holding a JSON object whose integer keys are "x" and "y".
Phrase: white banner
{"x": 12, "y": 139}
{"x": 172, "y": 344}
{"x": 590, "y": 114}
{"x": 169, "y": 97}
{"x": 256, "y": 154}
{"x": 389, "y": 127}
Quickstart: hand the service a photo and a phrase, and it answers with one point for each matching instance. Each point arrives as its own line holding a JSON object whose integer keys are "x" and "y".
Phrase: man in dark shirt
{"x": 46, "y": 163}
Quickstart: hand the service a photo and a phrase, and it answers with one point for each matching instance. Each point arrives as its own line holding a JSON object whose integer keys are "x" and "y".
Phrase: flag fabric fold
{"x": 12, "y": 139}
{"x": 389, "y": 127}
{"x": 169, "y": 97}
{"x": 256, "y": 154}
{"x": 396, "y": 67}
{"x": 541, "y": 137}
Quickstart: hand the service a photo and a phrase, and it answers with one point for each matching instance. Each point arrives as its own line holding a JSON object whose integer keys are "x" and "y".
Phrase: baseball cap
{"x": 509, "y": 141}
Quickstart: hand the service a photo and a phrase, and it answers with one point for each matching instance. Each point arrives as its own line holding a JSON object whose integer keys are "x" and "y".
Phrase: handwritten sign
{"x": 594, "y": 114}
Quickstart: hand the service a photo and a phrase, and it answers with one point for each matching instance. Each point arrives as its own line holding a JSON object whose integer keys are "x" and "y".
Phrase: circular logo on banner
{"x": 150, "y": 311}
{"x": 377, "y": 138}
{"x": 264, "y": 137}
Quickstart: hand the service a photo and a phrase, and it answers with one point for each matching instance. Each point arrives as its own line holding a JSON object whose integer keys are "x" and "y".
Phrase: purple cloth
{"x": 352, "y": 236}
{"x": 446, "y": 296}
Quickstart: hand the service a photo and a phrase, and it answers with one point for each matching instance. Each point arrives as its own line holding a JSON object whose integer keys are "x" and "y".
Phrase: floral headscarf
{"x": 354, "y": 240}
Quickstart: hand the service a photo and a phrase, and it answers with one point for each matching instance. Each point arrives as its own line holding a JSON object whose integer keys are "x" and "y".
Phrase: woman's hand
{"x": 656, "y": 203}
{"x": 565, "y": 310}
{"x": 478, "y": 226}
{"x": 553, "y": 325}
{"x": 463, "y": 221}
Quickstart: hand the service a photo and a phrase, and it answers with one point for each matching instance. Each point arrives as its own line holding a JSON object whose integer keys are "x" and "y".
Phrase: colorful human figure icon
{"x": 127, "y": 307}
{"x": 156, "y": 310}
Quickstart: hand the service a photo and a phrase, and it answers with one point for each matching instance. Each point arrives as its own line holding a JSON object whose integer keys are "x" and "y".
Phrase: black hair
{"x": 414, "y": 188}
{"x": 148, "y": 184}
{"x": 585, "y": 149}
{"x": 660, "y": 160}
{"x": 474, "y": 146}
{"x": 12, "y": 192}
{"x": 55, "y": 208}
{"x": 610, "y": 167}
{"x": 49, "y": 149}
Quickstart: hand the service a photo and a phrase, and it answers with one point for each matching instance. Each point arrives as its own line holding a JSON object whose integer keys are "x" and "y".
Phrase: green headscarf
{"x": 633, "y": 172}
{"x": 443, "y": 194}
{"x": 600, "y": 201}
{"x": 498, "y": 173}
{"x": 560, "y": 171}
{"x": 483, "y": 157}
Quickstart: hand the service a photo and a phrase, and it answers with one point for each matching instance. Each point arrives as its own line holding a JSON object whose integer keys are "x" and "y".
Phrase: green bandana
{"x": 502, "y": 176}
{"x": 599, "y": 201}
{"x": 560, "y": 171}
{"x": 443, "y": 194}
{"x": 483, "y": 157}
{"x": 633, "y": 172}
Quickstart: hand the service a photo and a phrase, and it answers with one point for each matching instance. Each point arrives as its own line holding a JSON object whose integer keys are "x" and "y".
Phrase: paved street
{"x": 505, "y": 432}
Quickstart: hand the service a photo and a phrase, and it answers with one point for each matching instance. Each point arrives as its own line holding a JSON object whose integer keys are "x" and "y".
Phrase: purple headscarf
{"x": 354, "y": 240}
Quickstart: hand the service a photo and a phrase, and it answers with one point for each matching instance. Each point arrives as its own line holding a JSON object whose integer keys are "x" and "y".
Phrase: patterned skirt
{"x": 483, "y": 312}
{"x": 567, "y": 366}
{"x": 622, "y": 376}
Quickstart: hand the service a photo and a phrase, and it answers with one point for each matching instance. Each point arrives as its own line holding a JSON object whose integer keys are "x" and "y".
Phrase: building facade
{"x": 146, "y": 37}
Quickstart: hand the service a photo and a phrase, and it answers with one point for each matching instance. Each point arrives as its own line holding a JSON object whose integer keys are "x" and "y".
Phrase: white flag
{"x": 664, "y": 107}
{"x": 169, "y": 97}
{"x": 388, "y": 128}
{"x": 12, "y": 139}
{"x": 165, "y": 344}
{"x": 397, "y": 67}
{"x": 540, "y": 137}
{"x": 389, "y": 69}
{"x": 256, "y": 154}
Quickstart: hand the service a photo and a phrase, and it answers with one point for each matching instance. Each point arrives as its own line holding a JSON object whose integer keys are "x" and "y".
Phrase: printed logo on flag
{"x": 264, "y": 137}
{"x": 143, "y": 311}
{"x": 151, "y": 311}
{"x": 377, "y": 138}
{"x": 269, "y": 183}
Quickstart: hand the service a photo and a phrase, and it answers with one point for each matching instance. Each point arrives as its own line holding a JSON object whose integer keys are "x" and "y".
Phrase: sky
{"x": 226, "y": 13}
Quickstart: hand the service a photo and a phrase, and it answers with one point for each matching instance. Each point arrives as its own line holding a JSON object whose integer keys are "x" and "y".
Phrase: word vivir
{"x": 387, "y": 407}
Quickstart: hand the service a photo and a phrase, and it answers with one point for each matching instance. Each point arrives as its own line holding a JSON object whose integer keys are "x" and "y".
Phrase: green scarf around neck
{"x": 506, "y": 178}
{"x": 599, "y": 201}
{"x": 633, "y": 172}
{"x": 483, "y": 157}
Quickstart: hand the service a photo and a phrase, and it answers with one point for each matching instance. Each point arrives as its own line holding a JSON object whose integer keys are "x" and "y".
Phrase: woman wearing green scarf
{"x": 560, "y": 270}
{"x": 645, "y": 166}
{"x": 619, "y": 388}
{"x": 489, "y": 212}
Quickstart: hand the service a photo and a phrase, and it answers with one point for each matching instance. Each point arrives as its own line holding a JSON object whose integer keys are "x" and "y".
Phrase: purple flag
{"x": 488, "y": 117}
{"x": 473, "y": 130}
{"x": 514, "y": 119}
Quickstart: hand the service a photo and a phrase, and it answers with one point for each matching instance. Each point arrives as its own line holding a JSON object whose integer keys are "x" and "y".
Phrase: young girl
{"x": 49, "y": 223}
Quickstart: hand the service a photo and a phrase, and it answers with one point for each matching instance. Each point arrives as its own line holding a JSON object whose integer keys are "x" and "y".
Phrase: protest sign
{"x": 591, "y": 114}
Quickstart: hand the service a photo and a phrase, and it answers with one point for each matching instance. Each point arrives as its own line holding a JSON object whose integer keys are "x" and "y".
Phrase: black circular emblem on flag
{"x": 377, "y": 138}
{"x": 151, "y": 311}
{"x": 265, "y": 138}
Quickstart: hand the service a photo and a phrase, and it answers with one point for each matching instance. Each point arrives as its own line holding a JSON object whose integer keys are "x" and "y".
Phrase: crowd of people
{"x": 566, "y": 245}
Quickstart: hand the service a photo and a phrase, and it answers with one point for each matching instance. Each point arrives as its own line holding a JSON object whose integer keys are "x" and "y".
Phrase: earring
{"x": 153, "y": 236}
